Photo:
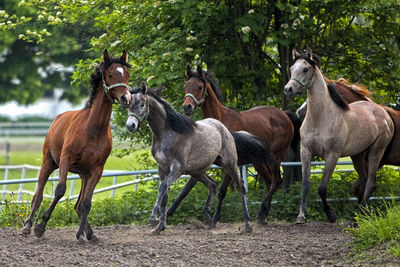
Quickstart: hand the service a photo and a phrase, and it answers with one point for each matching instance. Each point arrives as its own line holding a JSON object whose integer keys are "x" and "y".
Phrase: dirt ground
{"x": 276, "y": 244}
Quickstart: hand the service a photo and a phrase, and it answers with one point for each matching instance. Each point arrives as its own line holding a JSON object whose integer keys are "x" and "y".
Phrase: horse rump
{"x": 252, "y": 149}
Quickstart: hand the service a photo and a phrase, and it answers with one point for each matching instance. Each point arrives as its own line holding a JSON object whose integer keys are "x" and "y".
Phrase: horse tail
{"x": 388, "y": 148}
{"x": 296, "y": 126}
{"x": 252, "y": 149}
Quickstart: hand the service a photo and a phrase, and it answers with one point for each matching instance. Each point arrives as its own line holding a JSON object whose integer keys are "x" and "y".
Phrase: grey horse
{"x": 183, "y": 146}
{"x": 332, "y": 129}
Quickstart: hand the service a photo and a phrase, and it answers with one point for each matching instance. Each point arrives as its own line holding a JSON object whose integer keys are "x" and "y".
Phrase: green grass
{"x": 376, "y": 227}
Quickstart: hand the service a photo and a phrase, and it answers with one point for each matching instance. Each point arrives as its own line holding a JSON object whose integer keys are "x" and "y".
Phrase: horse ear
{"x": 124, "y": 56}
{"x": 158, "y": 90}
{"x": 295, "y": 53}
{"x": 200, "y": 72}
{"x": 143, "y": 86}
{"x": 188, "y": 73}
{"x": 106, "y": 57}
{"x": 309, "y": 53}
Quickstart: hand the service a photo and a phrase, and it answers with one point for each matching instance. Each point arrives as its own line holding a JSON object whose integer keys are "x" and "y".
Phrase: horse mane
{"x": 176, "y": 121}
{"x": 210, "y": 78}
{"x": 356, "y": 88}
{"x": 96, "y": 77}
{"x": 337, "y": 98}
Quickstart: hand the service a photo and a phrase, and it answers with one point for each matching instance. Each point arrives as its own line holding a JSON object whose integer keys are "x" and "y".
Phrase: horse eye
{"x": 109, "y": 76}
{"x": 142, "y": 105}
{"x": 200, "y": 87}
{"x": 305, "y": 70}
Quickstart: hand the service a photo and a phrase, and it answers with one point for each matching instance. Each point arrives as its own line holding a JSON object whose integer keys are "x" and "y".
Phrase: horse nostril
{"x": 289, "y": 90}
{"x": 187, "y": 109}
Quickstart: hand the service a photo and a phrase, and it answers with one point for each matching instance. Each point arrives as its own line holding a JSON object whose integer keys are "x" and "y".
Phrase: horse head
{"x": 302, "y": 72}
{"x": 195, "y": 89}
{"x": 115, "y": 79}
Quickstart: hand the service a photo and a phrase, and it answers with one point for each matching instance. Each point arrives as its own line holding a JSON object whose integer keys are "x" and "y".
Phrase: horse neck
{"x": 157, "y": 118}
{"x": 99, "y": 114}
{"x": 320, "y": 105}
{"x": 211, "y": 107}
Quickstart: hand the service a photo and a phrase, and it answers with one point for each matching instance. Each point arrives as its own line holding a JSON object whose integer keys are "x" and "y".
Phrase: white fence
{"x": 137, "y": 177}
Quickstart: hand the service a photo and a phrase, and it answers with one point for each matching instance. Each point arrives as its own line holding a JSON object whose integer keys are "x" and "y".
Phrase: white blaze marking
{"x": 121, "y": 70}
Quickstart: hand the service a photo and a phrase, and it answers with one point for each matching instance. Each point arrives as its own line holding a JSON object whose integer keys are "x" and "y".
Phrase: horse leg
{"x": 266, "y": 204}
{"x": 78, "y": 204}
{"x": 47, "y": 168}
{"x": 242, "y": 191}
{"x": 322, "y": 190}
{"x": 85, "y": 205}
{"x": 212, "y": 189}
{"x": 153, "y": 218}
{"x": 358, "y": 187}
{"x": 306, "y": 157}
{"x": 185, "y": 190}
{"x": 58, "y": 194}
{"x": 221, "y": 195}
{"x": 162, "y": 199}
{"x": 264, "y": 172}
{"x": 374, "y": 158}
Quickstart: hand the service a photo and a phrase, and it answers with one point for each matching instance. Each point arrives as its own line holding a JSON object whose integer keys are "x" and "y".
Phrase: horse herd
{"x": 340, "y": 120}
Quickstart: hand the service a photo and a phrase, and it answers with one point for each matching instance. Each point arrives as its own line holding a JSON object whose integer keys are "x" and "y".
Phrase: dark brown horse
{"x": 351, "y": 93}
{"x": 80, "y": 142}
{"x": 269, "y": 123}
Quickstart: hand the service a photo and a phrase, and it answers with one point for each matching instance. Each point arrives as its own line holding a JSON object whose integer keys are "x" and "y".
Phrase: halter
{"x": 306, "y": 84}
{"x": 201, "y": 101}
{"x": 146, "y": 112}
{"x": 108, "y": 88}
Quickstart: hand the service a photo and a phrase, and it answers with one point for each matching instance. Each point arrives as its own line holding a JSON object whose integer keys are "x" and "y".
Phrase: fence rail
{"x": 149, "y": 175}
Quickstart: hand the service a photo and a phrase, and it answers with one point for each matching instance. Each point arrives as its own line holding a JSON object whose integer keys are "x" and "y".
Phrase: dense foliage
{"x": 246, "y": 43}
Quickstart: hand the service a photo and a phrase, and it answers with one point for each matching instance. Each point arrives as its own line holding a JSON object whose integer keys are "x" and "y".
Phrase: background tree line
{"x": 247, "y": 44}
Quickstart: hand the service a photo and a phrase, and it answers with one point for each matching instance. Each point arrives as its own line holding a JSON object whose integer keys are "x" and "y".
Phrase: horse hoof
{"x": 332, "y": 218}
{"x": 39, "y": 231}
{"x": 26, "y": 231}
{"x": 94, "y": 239}
{"x": 249, "y": 229}
{"x": 81, "y": 240}
{"x": 300, "y": 220}
{"x": 155, "y": 231}
{"x": 153, "y": 222}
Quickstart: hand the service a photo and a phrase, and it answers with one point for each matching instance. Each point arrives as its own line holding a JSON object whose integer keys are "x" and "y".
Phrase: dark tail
{"x": 252, "y": 149}
{"x": 296, "y": 125}
{"x": 388, "y": 148}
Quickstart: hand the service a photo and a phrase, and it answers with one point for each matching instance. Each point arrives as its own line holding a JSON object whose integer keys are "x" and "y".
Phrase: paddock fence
{"x": 139, "y": 177}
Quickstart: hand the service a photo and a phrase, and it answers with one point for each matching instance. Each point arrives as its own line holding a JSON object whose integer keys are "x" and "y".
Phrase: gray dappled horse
{"x": 182, "y": 146}
{"x": 332, "y": 129}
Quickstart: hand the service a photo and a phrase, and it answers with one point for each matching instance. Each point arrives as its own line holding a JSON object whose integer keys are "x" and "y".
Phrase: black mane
{"x": 337, "y": 98}
{"x": 210, "y": 77}
{"x": 96, "y": 77}
{"x": 176, "y": 121}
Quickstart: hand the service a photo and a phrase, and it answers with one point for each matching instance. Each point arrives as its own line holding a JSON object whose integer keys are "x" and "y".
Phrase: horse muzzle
{"x": 132, "y": 124}
{"x": 125, "y": 100}
{"x": 188, "y": 109}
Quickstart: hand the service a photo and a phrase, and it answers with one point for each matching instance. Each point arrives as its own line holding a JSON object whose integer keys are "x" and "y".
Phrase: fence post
{"x": 244, "y": 175}
{"x": 8, "y": 148}
{"x": 114, "y": 183}
{"x": 5, "y": 179}
{"x": 71, "y": 190}
{"x": 137, "y": 184}
{"x": 21, "y": 185}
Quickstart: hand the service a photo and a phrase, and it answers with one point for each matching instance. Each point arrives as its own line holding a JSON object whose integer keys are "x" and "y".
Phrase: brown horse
{"x": 80, "y": 142}
{"x": 271, "y": 124}
{"x": 352, "y": 93}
